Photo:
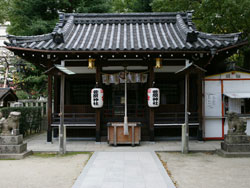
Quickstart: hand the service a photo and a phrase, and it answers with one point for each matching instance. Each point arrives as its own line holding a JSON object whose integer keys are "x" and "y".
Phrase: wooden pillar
{"x": 151, "y": 110}
{"x": 200, "y": 77}
{"x": 62, "y": 131}
{"x": 56, "y": 94}
{"x": 49, "y": 106}
{"x": 98, "y": 110}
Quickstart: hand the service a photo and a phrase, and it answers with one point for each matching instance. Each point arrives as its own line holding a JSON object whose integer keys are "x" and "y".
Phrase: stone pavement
{"x": 121, "y": 166}
{"x": 38, "y": 143}
{"x": 124, "y": 170}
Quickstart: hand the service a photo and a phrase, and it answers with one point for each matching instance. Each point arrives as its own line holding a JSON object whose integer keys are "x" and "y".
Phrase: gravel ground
{"x": 204, "y": 170}
{"x": 37, "y": 171}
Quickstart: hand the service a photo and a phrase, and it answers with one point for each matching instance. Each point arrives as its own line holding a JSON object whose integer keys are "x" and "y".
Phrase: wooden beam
{"x": 151, "y": 110}
{"x": 49, "y": 110}
{"x": 98, "y": 110}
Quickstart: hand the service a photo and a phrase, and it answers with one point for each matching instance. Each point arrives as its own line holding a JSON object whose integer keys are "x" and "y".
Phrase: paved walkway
{"x": 121, "y": 166}
{"x": 38, "y": 143}
{"x": 124, "y": 170}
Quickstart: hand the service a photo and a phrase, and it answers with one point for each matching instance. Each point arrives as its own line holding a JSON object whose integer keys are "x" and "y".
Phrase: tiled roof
{"x": 7, "y": 91}
{"x": 125, "y": 32}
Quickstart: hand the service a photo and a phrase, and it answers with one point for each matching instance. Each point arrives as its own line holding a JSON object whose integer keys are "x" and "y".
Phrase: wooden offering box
{"x": 116, "y": 133}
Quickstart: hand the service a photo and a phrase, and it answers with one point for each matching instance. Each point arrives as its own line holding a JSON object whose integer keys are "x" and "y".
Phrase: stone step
{"x": 15, "y": 155}
{"x": 232, "y": 154}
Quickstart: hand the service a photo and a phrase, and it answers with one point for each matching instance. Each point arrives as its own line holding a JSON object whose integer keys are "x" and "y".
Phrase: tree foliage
{"x": 226, "y": 16}
{"x": 30, "y": 79}
{"x": 174, "y": 5}
{"x": 131, "y": 6}
{"x": 4, "y": 7}
{"x": 93, "y": 6}
{"x": 213, "y": 16}
{"x": 34, "y": 17}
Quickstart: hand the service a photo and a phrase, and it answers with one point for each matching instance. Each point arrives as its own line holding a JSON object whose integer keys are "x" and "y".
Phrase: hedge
{"x": 30, "y": 120}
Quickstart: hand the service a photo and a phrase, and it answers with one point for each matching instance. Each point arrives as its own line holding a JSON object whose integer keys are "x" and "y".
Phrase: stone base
{"x": 11, "y": 140}
{"x": 236, "y": 139}
{"x": 15, "y": 155}
{"x": 13, "y": 148}
{"x": 223, "y": 153}
{"x": 245, "y": 147}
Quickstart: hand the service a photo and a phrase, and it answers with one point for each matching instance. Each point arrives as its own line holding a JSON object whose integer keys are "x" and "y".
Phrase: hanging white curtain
{"x": 117, "y": 78}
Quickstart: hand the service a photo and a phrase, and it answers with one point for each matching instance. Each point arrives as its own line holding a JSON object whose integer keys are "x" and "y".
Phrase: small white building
{"x": 225, "y": 92}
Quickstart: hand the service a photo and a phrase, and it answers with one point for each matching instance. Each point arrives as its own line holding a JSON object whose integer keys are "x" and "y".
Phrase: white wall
{"x": 236, "y": 86}
{"x": 213, "y": 128}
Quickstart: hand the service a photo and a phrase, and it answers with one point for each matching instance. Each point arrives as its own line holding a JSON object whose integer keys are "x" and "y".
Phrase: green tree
{"x": 4, "y": 8}
{"x": 213, "y": 16}
{"x": 34, "y": 17}
{"x": 175, "y": 5}
{"x": 121, "y": 6}
{"x": 227, "y": 16}
{"x": 93, "y": 6}
{"x": 141, "y": 6}
{"x": 29, "y": 79}
{"x": 132, "y": 5}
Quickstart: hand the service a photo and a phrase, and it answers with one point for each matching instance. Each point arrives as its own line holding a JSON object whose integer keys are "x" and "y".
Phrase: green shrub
{"x": 22, "y": 94}
{"x": 30, "y": 121}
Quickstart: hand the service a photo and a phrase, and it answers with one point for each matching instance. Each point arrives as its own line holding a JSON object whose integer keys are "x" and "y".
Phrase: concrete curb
{"x": 163, "y": 172}
{"x": 78, "y": 183}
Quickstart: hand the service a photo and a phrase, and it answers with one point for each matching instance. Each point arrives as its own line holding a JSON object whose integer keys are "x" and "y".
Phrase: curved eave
{"x": 243, "y": 43}
{"x": 13, "y": 48}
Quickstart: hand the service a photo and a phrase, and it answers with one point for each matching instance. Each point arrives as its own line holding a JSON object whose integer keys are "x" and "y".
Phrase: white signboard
{"x": 213, "y": 99}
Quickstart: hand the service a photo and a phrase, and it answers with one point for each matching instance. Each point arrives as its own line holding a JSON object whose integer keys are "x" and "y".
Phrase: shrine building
{"x": 154, "y": 50}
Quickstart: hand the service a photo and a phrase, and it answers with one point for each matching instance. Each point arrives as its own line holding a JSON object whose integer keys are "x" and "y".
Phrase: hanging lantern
{"x": 153, "y": 97}
{"x": 97, "y": 98}
{"x": 158, "y": 63}
{"x": 91, "y": 64}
